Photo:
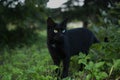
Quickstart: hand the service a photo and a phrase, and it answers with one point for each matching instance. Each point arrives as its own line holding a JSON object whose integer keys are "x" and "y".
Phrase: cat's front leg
{"x": 66, "y": 62}
{"x": 57, "y": 63}
{"x": 55, "y": 57}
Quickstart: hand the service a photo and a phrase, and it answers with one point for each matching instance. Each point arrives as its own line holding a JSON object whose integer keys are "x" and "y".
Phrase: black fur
{"x": 63, "y": 44}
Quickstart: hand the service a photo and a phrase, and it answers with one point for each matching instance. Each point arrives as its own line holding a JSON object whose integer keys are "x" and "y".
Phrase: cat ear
{"x": 50, "y": 22}
{"x": 64, "y": 22}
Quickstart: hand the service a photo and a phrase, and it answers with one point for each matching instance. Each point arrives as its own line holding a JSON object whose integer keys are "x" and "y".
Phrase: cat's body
{"x": 63, "y": 44}
{"x": 76, "y": 43}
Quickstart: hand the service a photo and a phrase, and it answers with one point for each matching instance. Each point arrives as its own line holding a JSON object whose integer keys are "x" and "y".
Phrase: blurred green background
{"x": 23, "y": 49}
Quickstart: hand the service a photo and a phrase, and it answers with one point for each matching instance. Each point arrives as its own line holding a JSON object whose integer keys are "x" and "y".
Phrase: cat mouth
{"x": 59, "y": 38}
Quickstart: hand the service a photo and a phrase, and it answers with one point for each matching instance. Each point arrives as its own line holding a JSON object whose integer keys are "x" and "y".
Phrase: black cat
{"x": 63, "y": 44}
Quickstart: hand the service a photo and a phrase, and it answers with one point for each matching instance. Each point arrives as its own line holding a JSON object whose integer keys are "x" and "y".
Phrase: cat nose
{"x": 58, "y": 37}
{"x": 61, "y": 35}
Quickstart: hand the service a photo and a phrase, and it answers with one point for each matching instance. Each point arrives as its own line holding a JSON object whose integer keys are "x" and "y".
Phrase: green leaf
{"x": 90, "y": 66}
{"x": 100, "y": 64}
{"x": 101, "y": 76}
{"x": 88, "y": 77}
{"x": 84, "y": 61}
{"x": 81, "y": 55}
{"x": 116, "y": 64}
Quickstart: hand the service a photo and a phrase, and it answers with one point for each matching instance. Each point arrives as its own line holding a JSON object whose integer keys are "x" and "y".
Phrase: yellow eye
{"x": 55, "y": 31}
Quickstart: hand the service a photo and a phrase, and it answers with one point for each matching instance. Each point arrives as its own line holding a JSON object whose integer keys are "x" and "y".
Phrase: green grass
{"x": 27, "y": 63}
{"x": 34, "y": 62}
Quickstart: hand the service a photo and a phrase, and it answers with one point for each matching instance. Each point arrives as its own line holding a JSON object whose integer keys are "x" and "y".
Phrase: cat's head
{"x": 56, "y": 30}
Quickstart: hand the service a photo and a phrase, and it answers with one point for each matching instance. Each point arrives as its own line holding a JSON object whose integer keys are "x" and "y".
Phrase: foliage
{"x": 25, "y": 55}
{"x": 26, "y": 63}
{"x": 34, "y": 62}
{"x": 93, "y": 69}
{"x": 19, "y": 19}
{"x": 20, "y": 11}
{"x": 90, "y": 11}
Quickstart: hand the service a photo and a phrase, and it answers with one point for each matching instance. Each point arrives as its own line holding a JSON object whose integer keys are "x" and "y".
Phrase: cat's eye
{"x": 55, "y": 31}
{"x": 63, "y": 31}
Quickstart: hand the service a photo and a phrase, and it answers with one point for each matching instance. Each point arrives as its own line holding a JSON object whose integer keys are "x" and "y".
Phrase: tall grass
{"x": 33, "y": 62}
{"x": 27, "y": 62}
